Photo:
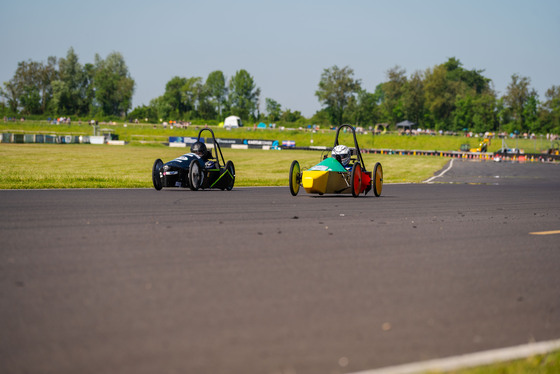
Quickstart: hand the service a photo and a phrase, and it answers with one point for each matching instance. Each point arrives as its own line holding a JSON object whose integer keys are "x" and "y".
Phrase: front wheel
{"x": 295, "y": 178}
{"x": 195, "y": 175}
{"x": 377, "y": 179}
{"x": 356, "y": 179}
{"x": 156, "y": 174}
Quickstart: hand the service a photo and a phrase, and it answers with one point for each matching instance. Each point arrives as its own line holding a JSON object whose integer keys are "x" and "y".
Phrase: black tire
{"x": 377, "y": 179}
{"x": 356, "y": 179}
{"x": 294, "y": 177}
{"x": 156, "y": 174}
{"x": 195, "y": 175}
{"x": 230, "y": 169}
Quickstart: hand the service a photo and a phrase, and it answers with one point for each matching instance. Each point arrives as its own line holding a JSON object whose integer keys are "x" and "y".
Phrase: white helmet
{"x": 342, "y": 154}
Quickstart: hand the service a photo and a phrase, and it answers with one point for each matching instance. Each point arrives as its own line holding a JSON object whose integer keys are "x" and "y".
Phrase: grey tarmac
{"x": 254, "y": 280}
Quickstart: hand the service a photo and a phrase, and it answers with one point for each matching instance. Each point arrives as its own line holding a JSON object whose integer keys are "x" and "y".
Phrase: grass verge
{"x": 32, "y": 166}
{"x": 539, "y": 364}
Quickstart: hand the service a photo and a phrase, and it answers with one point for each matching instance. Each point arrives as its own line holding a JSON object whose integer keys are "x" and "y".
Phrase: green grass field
{"x": 152, "y": 134}
{"x": 27, "y": 166}
{"x": 104, "y": 166}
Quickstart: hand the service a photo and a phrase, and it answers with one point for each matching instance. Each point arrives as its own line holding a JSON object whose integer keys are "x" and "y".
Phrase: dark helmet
{"x": 199, "y": 148}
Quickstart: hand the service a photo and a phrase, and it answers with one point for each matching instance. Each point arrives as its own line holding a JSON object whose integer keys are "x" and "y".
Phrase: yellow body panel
{"x": 316, "y": 181}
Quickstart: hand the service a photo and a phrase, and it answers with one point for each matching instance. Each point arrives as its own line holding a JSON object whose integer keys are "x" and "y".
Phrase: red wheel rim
{"x": 357, "y": 180}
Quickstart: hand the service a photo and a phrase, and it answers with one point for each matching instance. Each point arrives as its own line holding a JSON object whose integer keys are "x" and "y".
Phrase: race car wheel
{"x": 195, "y": 175}
{"x": 230, "y": 169}
{"x": 156, "y": 174}
{"x": 377, "y": 179}
{"x": 356, "y": 179}
{"x": 295, "y": 178}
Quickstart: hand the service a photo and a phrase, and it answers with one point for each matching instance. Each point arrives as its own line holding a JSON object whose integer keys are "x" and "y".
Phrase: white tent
{"x": 232, "y": 121}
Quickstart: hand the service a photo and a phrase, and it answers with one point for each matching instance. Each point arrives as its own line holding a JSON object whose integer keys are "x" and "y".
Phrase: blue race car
{"x": 199, "y": 169}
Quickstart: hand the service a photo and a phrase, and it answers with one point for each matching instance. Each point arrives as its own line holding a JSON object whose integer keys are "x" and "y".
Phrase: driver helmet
{"x": 342, "y": 154}
{"x": 199, "y": 148}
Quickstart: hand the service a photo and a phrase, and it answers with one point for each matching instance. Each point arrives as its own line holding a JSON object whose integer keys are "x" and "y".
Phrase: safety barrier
{"x": 58, "y": 139}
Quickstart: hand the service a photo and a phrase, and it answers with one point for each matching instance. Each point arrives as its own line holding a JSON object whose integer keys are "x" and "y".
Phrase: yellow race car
{"x": 342, "y": 173}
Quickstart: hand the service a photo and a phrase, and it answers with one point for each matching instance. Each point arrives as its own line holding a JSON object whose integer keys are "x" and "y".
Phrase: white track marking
{"x": 442, "y": 173}
{"x": 470, "y": 360}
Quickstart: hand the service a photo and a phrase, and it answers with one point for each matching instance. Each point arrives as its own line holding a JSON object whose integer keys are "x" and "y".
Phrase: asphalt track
{"x": 257, "y": 281}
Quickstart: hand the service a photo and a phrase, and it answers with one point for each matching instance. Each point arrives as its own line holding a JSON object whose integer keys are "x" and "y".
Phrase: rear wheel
{"x": 295, "y": 178}
{"x": 195, "y": 175}
{"x": 230, "y": 169}
{"x": 356, "y": 179}
{"x": 156, "y": 174}
{"x": 377, "y": 179}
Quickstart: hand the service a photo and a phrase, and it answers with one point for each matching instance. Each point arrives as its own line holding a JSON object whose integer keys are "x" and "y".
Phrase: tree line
{"x": 66, "y": 87}
{"x": 445, "y": 97}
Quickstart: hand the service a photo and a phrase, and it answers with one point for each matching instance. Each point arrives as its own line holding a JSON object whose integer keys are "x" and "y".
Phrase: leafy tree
{"x": 289, "y": 116}
{"x": 173, "y": 97}
{"x": 206, "y": 108}
{"x": 113, "y": 85}
{"x": 550, "y": 110}
{"x": 216, "y": 90}
{"x": 485, "y": 113}
{"x": 146, "y": 113}
{"x": 440, "y": 94}
{"x": 243, "y": 95}
{"x": 463, "y": 114}
{"x": 516, "y": 98}
{"x": 414, "y": 99}
{"x": 274, "y": 109}
{"x": 162, "y": 107}
{"x": 30, "y": 87}
{"x": 30, "y": 100}
{"x": 392, "y": 106}
{"x": 191, "y": 94}
{"x": 335, "y": 89}
{"x": 363, "y": 109}
{"x": 48, "y": 74}
{"x": 71, "y": 93}
{"x": 70, "y": 73}
{"x": 29, "y": 78}
{"x": 475, "y": 113}
{"x": 89, "y": 91}
{"x": 11, "y": 92}
{"x": 321, "y": 117}
{"x": 471, "y": 78}
{"x": 530, "y": 113}
{"x": 503, "y": 114}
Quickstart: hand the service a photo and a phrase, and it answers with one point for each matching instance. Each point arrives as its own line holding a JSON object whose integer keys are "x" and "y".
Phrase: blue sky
{"x": 285, "y": 45}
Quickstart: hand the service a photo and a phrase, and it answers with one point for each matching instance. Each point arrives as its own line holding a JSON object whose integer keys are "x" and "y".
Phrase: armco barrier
{"x": 66, "y": 139}
{"x": 228, "y": 142}
{"x": 98, "y": 139}
{"x": 116, "y": 142}
{"x": 50, "y": 139}
{"x": 177, "y": 141}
